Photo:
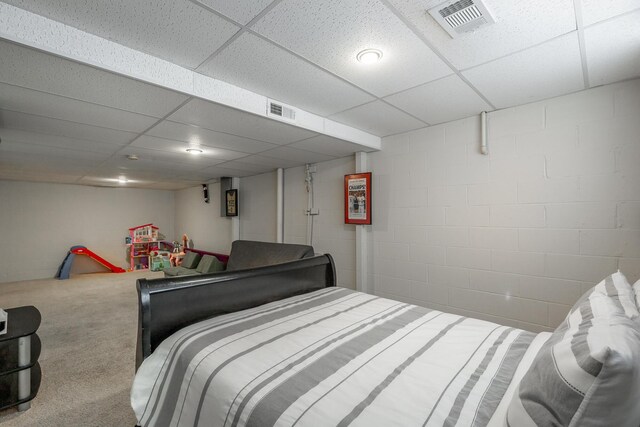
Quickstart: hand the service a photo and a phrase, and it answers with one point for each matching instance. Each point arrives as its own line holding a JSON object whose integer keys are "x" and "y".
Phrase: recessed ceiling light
{"x": 122, "y": 180}
{"x": 369, "y": 56}
{"x": 132, "y": 157}
{"x": 194, "y": 150}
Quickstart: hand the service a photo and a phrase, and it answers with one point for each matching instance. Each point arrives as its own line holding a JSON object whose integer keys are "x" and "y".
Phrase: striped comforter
{"x": 334, "y": 357}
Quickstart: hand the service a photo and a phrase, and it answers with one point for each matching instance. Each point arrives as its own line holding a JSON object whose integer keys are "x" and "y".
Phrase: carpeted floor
{"x": 88, "y": 333}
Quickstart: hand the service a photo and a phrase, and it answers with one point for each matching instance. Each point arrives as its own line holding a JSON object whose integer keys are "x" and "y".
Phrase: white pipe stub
{"x": 484, "y": 149}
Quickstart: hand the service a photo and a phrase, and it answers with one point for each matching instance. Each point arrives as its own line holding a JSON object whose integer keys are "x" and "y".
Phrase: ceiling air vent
{"x": 280, "y": 111}
{"x": 462, "y": 16}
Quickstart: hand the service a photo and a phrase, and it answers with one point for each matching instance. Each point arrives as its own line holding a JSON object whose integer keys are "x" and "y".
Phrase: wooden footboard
{"x": 169, "y": 304}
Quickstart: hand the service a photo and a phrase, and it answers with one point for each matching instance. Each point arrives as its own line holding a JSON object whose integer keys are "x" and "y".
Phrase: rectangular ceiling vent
{"x": 461, "y": 16}
{"x": 280, "y": 111}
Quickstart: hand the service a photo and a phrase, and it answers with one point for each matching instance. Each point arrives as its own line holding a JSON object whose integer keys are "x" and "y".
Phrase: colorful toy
{"x": 65, "y": 267}
{"x": 142, "y": 242}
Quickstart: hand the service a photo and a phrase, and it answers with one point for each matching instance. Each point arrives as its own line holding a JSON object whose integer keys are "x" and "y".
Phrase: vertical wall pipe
{"x": 280, "y": 206}
{"x": 483, "y": 131}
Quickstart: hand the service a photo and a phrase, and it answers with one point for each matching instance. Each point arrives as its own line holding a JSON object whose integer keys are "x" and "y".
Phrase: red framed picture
{"x": 357, "y": 198}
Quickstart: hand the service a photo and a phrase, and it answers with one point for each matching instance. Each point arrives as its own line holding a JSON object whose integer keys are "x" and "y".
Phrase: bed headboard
{"x": 169, "y": 304}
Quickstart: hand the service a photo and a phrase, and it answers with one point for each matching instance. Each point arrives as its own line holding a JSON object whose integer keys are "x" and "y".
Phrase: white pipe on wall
{"x": 280, "y": 206}
{"x": 484, "y": 149}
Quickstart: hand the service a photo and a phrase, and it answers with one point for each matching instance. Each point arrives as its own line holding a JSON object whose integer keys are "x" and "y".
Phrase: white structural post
{"x": 235, "y": 221}
{"x": 280, "y": 206}
{"x": 363, "y": 233}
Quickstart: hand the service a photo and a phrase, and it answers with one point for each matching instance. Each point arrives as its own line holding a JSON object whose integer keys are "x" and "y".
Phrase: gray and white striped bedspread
{"x": 333, "y": 357}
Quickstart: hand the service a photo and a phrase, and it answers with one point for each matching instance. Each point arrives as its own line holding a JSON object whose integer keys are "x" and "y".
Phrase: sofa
{"x": 245, "y": 254}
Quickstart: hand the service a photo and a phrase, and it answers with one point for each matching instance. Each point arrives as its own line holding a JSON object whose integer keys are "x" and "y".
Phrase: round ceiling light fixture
{"x": 194, "y": 150}
{"x": 123, "y": 180}
{"x": 132, "y": 157}
{"x": 369, "y": 56}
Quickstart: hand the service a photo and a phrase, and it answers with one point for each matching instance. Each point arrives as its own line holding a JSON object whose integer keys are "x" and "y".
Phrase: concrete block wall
{"x": 258, "y": 207}
{"x": 516, "y": 236}
{"x": 330, "y": 235}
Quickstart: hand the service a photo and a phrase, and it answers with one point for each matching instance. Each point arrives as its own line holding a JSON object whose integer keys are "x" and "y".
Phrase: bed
{"x": 282, "y": 345}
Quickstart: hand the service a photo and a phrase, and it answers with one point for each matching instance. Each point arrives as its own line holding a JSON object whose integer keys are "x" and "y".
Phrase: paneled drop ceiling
{"x": 65, "y": 122}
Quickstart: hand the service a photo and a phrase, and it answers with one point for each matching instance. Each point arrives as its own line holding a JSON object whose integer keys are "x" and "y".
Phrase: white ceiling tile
{"x": 378, "y": 118}
{"x": 224, "y": 119}
{"x": 171, "y": 185}
{"x": 219, "y": 171}
{"x": 440, "y": 101}
{"x": 162, "y": 29}
{"x": 40, "y": 139}
{"x": 249, "y": 167}
{"x": 178, "y": 149}
{"x": 613, "y": 49}
{"x": 60, "y": 162}
{"x": 193, "y": 161}
{"x": 29, "y": 101}
{"x": 519, "y": 25}
{"x": 328, "y": 145}
{"x": 598, "y": 10}
{"x": 241, "y": 11}
{"x": 63, "y": 128}
{"x": 88, "y": 158}
{"x": 30, "y": 175}
{"x": 258, "y": 159}
{"x": 255, "y": 64}
{"x": 296, "y": 155}
{"x": 331, "y": 33}
{"x": 37, "y": 70}
{"x": 550, "y": 69}
{"x": 197, "y": 135}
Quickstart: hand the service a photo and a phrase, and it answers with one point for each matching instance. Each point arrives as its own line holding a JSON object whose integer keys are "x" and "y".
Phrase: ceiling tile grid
{"x": 227, "y": 120}
{"x": 47, "y": 73}
{"x": 613, "y": 49}
{"x": 547, "y": 70}
{"x": 598, "y": 10}
{"x": 378, "y": 118}
{"x": 330, "y": 33}
{"x": 255, "y": 64}
{"x": 440, "y": 101}
{"x": 162, "y": 29}
{"x": 519, "y": 25}
{"x": 241, "y": 11}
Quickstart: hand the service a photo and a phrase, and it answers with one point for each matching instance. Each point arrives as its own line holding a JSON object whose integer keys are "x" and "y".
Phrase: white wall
{"x": 331, "y": 235}
{"x": 202, "y": 221}
{"x": 258, "y": 207}
{"x": 518, "y": 235}
{"x": 40, "y": 222}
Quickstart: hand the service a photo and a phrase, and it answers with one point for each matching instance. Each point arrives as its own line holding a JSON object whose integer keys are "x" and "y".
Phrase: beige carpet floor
{"x": 88, "y": 334}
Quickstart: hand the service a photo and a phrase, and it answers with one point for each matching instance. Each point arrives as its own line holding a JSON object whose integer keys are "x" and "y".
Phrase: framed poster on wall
{"x": 232, "y": 202}
{"x": 357, "y": 198}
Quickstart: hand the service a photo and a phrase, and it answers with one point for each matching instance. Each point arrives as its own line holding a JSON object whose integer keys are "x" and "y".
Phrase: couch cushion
{"x": 249, "y": 254}
{"x": 587, "y": 374}
{"x": 190, "y": 260}
{"x": 179, "y": 271}
{"x": 209, "y": 264}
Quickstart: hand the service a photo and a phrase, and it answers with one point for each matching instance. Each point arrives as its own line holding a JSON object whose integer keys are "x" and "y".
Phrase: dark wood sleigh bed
{"x": 168, "y": 305}
{"x": 282, "y": 345}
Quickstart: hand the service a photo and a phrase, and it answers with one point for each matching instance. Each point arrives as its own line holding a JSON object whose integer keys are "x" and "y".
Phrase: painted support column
{"x": 363, "y": 238}
{"x": 280, "y": 206}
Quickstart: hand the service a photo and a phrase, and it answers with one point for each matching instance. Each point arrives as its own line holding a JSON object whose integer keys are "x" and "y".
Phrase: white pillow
{"x": 636, "y": 290}
{"x": 587, "y": 373}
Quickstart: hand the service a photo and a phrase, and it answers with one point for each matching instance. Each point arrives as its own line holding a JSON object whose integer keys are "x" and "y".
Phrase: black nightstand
{"x": 19, "y": 351}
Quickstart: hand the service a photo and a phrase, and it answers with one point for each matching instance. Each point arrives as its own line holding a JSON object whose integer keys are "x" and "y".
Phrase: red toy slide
{"x": 65, "y": 267}
{"x": 93, "y": 255}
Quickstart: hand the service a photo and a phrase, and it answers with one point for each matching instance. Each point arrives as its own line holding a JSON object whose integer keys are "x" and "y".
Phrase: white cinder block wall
{"x": 202, "y": 221}
{"x": 518, "y": 235}
{"x": 330, "y": 234}
{"x": 258, "y": 207}
{"x": 40, "y": 222}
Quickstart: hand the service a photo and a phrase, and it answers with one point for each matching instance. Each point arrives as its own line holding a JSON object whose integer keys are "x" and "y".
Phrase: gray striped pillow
{"x": 588, "y": 373}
